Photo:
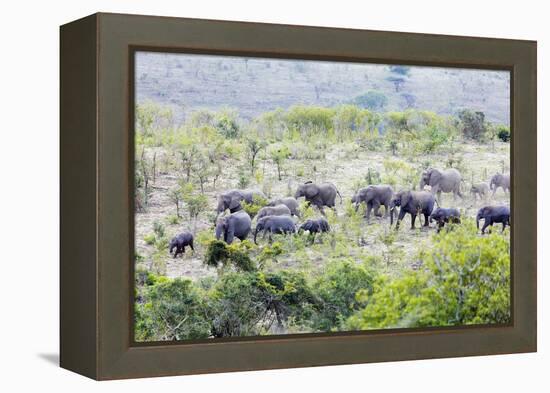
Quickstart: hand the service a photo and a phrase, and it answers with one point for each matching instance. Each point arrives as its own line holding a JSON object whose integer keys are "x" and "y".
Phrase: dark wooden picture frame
{"x": 97, "y": 199}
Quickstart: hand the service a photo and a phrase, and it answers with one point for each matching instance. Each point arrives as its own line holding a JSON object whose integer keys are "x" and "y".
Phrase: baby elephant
{"x": 319, "y": 225}
{"x": 444, "y": 216}
{"x": 481, "y": 189}
{"x": 493, "y": 214}
{"x": 278, "y": 210}
{"x": 180, "y": 242}
{"x": 274, "y": 224}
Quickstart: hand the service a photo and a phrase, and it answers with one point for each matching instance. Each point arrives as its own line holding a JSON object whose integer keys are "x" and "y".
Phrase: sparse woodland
{"x": 360, "y": 275}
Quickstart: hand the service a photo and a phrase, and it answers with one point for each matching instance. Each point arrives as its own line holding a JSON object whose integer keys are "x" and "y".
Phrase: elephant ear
{"x": 234, "y": 203}
{"x": 311, "y": 191}
{"x": 434, "y": 176}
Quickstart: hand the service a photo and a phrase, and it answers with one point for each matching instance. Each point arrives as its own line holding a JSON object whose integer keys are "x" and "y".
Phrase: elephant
{"x": 500, "y": 180}
{"x": 278, "y": 210}
{"x": 318, "y": 194}
{"x": 234, "y": 225}
{"x": 314, "y": 226}
{"x": 374, "y": 196}
{"x": 481, "y": 189}
{"x": 443, "y": 216}
{"x": 414, "y": 203}
{"x": 274, "y": 224}
{"x": 232, "y": 199}
{"x": 493, "y": 214}
{"x": 441, "y": 181}
{"x": 289, "y": 202}
{"x": 180, "y": 241}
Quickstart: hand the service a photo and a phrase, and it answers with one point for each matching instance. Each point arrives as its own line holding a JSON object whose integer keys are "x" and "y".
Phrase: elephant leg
{"x": 485, "y": 225}
{"x": 376, "y": 206}
{"x": 367, "y": 213}
{"x": 426, "y": 220}
{"x": 413, "y": 219}
{"x": 191, "y": 245}
{"x": 400, "y": 218}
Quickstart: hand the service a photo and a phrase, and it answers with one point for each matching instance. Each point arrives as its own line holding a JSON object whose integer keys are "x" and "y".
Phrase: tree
{"x": 187, "y": 158}
{"x": 279, "y": 156}
{"x": 176, "y": 197}
{"x": 196, "y": 203}
{"x": 202, "y": 170}
{"x": 473, "y": 124}
{"x": 227, "y": 126}
{"x": 372, "y": 99}
{"x": 397, "y": 82}
{"x": 254, "y": 146}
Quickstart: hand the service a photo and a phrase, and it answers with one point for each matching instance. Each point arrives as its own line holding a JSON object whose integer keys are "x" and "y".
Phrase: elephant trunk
{"x": 478, "y": 217}
{"x": 391, "y": 215}
{"x": 422, "y": 184}
{"x": 256, "y": 233}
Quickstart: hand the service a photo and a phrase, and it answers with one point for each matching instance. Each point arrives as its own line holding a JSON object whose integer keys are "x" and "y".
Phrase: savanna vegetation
{"x": 360, "y": 275}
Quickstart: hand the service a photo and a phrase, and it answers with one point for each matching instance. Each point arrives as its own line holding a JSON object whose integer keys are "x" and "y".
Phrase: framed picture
{"x": 242, "y": 196}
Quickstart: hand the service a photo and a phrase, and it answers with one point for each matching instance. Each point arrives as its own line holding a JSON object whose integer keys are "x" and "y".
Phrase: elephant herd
{"x": 279, "y": 215}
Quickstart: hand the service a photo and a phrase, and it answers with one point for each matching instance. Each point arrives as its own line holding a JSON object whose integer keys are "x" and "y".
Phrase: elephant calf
{"x": 444, "y": 216}
{"x": 289, "y": 202}
{"x": 180, "y": 241}
{"x": 278, "y": 210}
{"x": 319, "y": 225}
{"x": 493, "y": 214}
{"x": 274, "y": 224}
{"x": 481, "y": 189}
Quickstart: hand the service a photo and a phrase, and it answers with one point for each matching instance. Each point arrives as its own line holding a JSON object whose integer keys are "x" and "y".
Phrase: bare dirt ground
{"x": 343, "y": 165}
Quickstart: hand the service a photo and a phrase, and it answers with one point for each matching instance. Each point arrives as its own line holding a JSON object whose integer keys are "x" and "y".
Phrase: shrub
{"x": 158, "y": 228}
{"x": 336, "y": 289}
{"x": 150, "y": 239}
{"x": 218, "y": 254}
{"x": 465, "y": 280}
{"x": 504, "y": 134}
{"x": 472, "y": 124}
{"x": 174, "y": 310}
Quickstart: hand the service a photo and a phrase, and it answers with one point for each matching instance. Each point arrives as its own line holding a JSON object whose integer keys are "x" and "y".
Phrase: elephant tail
{"x": 341, "y": 200}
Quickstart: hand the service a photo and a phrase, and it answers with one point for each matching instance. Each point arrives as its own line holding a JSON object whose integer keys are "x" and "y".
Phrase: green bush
{"x": 503, "y": 134}
{"x": 465, "y": 280}
{"x": 219, "y": 254}
{"x": 336, "y": 289}
{"x": 173, "y": 310}
{"x": 473, "y": 124}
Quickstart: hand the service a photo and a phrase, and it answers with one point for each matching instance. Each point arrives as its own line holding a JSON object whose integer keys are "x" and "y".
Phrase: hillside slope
{"x": 255, "y": 85}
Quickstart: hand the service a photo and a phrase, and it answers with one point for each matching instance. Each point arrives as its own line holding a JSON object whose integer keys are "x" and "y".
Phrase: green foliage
{"x": 172, "y": 310}
{"x": 219, "y": 254}
{"x": 253, "y": 208}
{"x": 336, "y": 289}
{"x": 244, "y": 179}
{"x": 503, "y": 133}
{"x": 226, "y": 124}
{"x": 150, "y": 239}
{"x": 307, "y": 121}
{"x": 159, "y": 229}
{"x": 195, "y": 203}
{"x": 465, "y": 280}
{"x": 473, "y": 124}
{"x": 372, "y": 99}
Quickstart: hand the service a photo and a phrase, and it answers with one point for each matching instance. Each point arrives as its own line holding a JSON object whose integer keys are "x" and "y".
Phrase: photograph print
{"x": 277, "y": 197}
